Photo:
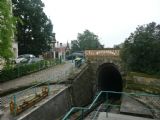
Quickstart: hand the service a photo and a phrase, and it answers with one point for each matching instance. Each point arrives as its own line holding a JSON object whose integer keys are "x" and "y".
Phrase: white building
{"x": 60, "y": 51}
{"x": 15, "y": 48}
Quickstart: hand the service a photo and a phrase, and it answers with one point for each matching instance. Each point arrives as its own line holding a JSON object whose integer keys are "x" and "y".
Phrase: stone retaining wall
{"x": 52, "y": 109}
{"x": 82, "y": 87}
{"x": 146, "y": 80}
{"x": 79, "y": 93}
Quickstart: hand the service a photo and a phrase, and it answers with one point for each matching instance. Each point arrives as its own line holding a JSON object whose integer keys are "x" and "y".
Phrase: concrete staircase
{"x": 113, "y": 116}
{"x": 130, "y": 109}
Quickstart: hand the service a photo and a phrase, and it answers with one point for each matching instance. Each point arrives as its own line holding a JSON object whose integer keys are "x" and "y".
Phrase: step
{"x": 113, "y": 116}
{"x": 130, "y": 106}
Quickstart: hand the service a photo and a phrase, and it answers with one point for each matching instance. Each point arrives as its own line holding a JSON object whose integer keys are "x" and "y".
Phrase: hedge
{"x": 23, "y": 69}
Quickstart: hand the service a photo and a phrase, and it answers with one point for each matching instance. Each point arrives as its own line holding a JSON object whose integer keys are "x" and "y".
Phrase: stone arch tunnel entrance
{"x": 109, "y": 79}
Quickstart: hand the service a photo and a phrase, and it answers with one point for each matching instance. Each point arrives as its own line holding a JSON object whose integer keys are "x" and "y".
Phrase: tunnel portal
{"x": 109, "y": 79}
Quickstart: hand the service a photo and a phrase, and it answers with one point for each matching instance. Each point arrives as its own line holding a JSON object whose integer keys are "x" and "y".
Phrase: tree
{"x": 118, "y": 46}
{"x": 34, "y": 29}
{"x": 86, "y": 40}
{"x": 140, "y": 50}
{"x": 75, "y": 46}
{"x": 6, "y": 29}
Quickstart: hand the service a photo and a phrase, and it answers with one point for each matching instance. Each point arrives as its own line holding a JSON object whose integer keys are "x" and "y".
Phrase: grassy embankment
{"x": 143, "y": 83}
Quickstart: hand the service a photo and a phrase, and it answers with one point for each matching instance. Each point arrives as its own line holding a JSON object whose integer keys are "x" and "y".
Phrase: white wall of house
{"x": 61, "y": 55}
{"x": 15, "y": 49}
{"x": 60, "y": 49}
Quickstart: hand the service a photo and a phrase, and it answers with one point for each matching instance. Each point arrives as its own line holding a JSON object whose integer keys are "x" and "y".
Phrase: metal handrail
{"x": 96, "y": 113}
{"x": 87, "y": 108}
{"x": 40, "y": 83}
{"x": 13, "y": 97}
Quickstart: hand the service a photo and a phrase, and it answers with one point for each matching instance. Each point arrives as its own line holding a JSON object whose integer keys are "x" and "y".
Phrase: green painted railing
{"x": 81, "y": 110}
{"x": 17, "y": 97}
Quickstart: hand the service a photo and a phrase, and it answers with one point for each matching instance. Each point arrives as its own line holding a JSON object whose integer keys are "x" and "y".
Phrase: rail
{"x": 36, "y": 88}
{"x": 32, "y": 95}
{"x": 83, "y": 109}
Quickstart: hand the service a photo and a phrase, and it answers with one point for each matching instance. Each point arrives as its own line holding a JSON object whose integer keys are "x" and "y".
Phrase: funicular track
{"x": 91, "y": 114}
{"x": 100, "y": 105}
{"x": 103, "y": 107}
{"x": 111, "y": 105}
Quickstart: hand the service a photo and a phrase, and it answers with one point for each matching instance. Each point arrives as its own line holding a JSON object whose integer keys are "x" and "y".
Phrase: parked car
{"x": 24, "y": 58}
{"x": 30, "y": 61}
{"x": 34, "y": 60}
{"x": 74, "y": 55}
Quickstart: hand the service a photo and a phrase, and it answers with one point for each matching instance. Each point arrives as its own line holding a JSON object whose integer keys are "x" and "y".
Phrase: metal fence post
{"x": 44, "y": 64}
{"x": 18, "y": 70}
{"x": 0, "y": 103}
{"x": 48, "y": 88}
{"x": 82, "y": 114}
{"x": 106, "y": 104}
{"x": 39, "y": 66}
{"x": 35, "y": 91}
{"x": 60, "y": 59}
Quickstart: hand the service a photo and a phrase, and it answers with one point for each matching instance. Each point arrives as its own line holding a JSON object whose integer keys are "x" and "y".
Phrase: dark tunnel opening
{"x": 109, "y": 79}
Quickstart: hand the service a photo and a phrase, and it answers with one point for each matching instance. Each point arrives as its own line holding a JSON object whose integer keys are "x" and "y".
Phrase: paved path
{"x": 112, "y": 116}
{"x": 54, "y": 74}
{"x": 132, "y": 106}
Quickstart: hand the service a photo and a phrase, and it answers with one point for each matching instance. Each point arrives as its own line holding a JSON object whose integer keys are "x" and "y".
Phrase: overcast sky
{"x": 111, "y": 20}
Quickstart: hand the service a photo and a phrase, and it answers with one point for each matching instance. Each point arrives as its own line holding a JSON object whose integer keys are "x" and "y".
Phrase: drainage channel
{"x": 128, "y": 107}
{"x": 28, "y": 94}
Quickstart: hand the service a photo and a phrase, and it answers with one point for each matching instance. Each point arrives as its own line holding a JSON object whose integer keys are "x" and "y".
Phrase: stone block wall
{"x": 82, "y": 87}
{"x": 52, "y": 109}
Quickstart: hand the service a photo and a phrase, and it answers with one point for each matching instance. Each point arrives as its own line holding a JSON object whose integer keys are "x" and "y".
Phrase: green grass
{"x": 143, "y": 88}
{"x": 131, "y": 74}
{"x": 132, "y": 85}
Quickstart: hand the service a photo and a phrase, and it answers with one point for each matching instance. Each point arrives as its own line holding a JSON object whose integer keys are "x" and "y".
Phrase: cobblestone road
{"x": 55, "y": 74}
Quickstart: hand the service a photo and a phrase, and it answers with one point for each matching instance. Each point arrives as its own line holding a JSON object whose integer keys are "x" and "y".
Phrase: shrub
{"x": 9, "y": 73}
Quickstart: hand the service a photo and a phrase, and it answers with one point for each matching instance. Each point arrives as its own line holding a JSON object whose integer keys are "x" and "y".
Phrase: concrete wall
{"x": 82, "y": 87}
{"x": 52, "y": 109}
{"x": 146, "y": 80}
{"x": 80, "y": 93}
